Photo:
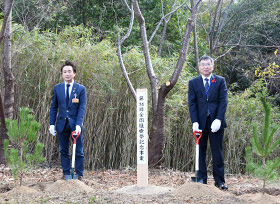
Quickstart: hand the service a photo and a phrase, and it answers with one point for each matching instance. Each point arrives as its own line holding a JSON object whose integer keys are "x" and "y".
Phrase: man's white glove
{"x": 52, "y": 130}
{"x": 216, "y": 125}
{"x": 78, "y": 129}
{"x": 195, "y": 127}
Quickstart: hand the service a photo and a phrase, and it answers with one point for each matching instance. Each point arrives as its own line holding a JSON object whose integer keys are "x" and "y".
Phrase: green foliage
{"x": 254, "y": 28}
{"x": 23, "y": 133}
{"x": 92, "y": 200}
{"x": 25, "y": 129}
{"x": 263, "y": 145}
{"x": 269, "y": 71}
{"x": 80, "y": 22}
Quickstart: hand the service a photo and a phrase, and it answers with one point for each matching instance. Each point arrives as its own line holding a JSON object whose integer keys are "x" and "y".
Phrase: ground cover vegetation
{"x": 47, "y": 32}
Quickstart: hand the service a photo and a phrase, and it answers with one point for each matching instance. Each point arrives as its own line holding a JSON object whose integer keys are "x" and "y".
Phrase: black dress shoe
{"x": 80, "y": 178}
{"x": 221, "y": 186}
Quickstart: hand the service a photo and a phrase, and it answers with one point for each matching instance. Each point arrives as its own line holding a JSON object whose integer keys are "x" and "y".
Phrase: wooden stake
{"x": 142, "y": 137}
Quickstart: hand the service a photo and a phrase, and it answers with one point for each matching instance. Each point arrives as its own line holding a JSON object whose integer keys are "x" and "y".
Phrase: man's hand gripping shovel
{"x": 197, "y": 135}
{"x": 75, "y": 137}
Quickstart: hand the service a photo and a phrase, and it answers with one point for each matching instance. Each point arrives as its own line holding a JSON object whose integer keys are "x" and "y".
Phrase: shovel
{"x": 75, "y": 137}
{"x": 197, "y": 178}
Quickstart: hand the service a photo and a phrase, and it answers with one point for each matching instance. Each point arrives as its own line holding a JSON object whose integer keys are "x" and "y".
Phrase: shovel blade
{"x": 197, "y": 179}
{"x": 68, "y": 177}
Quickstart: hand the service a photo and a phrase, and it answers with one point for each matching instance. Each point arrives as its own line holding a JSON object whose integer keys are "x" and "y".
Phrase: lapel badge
{"x": 75, "y": 100}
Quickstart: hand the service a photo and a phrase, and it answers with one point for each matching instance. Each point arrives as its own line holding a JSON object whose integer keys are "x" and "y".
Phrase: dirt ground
{"x": 119, "y": 186}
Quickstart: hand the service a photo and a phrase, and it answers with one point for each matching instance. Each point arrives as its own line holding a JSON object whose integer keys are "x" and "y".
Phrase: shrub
{"x": 23, "y": 133}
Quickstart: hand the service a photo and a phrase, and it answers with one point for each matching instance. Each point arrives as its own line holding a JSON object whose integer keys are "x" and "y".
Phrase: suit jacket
{"x": 74, "y": 112}
{"x": 215, "y": 100}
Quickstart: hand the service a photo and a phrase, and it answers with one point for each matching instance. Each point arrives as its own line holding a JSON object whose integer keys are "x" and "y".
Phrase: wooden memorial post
{"x": 142, "y": 137}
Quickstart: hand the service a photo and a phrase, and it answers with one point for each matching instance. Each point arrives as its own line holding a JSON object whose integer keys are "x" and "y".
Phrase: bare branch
{"x": 26, "y": 15}
{"x": 161, "y": 3}
{"x": 182, "y": 58}
{"x": 225, "y": 53}
{"x": 125, "y": 2}
{"x": 196, "y": 54}
{"x": 130, "y": 27}
{"x": 261, "y": 46}
{"x": 120, "y": 54}
{"x": 165, "y": 27}
{"x": 41, "y": 14}
{"x": 170, "y": 13}
{"x": 204, "y": 28}
{"x": 231, "y": 18}
{"x": 148, "y": 62}
{"x": 236, "y": 12}
{"x": 275, "y": 98}
{"x": 212, "y": 29}
{"x": 221, "y": 26}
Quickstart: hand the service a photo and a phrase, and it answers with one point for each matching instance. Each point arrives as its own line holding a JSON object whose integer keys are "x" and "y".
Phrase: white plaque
{"x": 142, "y": 137}
{"x": 142, "y": 126}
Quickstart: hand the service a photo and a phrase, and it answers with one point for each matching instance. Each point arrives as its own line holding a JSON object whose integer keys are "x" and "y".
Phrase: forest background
{"x": 242, "y": 36}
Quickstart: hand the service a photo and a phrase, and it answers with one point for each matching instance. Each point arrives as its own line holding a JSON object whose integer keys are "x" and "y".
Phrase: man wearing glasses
{"x": 207, "y": 98}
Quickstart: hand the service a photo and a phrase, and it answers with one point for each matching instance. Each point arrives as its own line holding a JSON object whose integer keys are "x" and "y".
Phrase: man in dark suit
{"x": 207, "y": 98}
{"x": 69, "y": 101}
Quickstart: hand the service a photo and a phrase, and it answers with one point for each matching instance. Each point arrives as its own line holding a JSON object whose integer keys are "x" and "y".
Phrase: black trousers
{"x": 216, "y": 144}
{"x": 64, "y": 151}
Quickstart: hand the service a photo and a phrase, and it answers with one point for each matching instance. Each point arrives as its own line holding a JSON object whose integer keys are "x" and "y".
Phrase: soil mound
{"x": 199, "y": 190}
{"x": 259, "y": 198}
{"x": 19, "y": 190}
{"x": 149, "y": 190}
{"x": 70, "y": 186}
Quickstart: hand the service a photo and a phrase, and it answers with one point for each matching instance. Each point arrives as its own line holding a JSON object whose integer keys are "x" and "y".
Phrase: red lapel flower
{"x": 213, "y": 80}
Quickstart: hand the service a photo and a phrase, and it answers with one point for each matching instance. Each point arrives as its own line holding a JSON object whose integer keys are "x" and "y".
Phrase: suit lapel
{"x": 62, "y": 92}
{"x": 201, "y": 85}
{"x": 212, "y": 85}
{"x": 73, "y": 92}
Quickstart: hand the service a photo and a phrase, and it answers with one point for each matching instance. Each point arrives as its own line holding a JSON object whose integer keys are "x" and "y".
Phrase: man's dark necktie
{"x": 67, "y": 94}
{"x": 206, "y": 91}
{"x": 206, "y": 85}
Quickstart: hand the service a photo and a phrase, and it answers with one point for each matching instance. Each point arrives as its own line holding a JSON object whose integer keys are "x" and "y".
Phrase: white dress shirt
{"x": 209, "y": 78}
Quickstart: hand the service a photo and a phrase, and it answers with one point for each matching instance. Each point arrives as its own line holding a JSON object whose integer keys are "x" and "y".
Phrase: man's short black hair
{"x": 69, "y": 63}
{"x": 206, "y": 57}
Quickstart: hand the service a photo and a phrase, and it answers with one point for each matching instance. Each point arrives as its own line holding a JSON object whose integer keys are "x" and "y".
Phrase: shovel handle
{"x": 75, "y": 136}
{"x": 195, "y": 135}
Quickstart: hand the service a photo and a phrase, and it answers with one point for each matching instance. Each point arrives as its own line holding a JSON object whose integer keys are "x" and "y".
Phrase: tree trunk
{"x": 3, "y": 134}
{"x": 156, "y": 145}
{"x": 7, "y": 66}
{"x": 148, "y": 61}
{"x": 195, "y": 42}
{"x": 83, "y": 11}
{"x": 157, "y": 139}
